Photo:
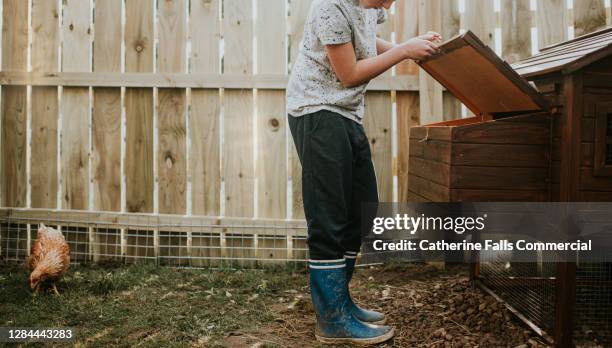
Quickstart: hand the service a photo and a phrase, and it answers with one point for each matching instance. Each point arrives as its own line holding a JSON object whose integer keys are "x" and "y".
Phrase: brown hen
{"x": 49, "y": 258}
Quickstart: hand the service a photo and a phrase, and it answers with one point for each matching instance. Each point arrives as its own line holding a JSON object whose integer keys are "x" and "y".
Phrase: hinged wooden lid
{"x": 480, "y": 79}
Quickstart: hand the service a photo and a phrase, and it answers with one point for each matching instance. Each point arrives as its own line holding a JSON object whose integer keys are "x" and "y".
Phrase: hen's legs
{"x": 55, "y": 290}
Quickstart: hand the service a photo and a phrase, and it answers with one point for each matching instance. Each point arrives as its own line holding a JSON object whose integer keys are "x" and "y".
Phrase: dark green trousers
{"x": 337, "y": 177}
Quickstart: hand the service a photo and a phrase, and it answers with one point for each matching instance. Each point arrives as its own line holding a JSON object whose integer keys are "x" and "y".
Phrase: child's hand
{"x": 431, "y": 36}
{"x": 418, "y": 49}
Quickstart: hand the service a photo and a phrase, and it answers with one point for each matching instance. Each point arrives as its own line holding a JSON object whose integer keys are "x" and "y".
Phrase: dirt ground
{"x": 152, "y": 306}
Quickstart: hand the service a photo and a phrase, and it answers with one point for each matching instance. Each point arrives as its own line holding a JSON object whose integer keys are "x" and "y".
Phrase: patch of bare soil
{"x": 428, "y": 307}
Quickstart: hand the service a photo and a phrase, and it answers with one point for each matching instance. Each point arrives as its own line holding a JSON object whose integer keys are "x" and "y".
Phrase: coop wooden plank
{"x": 476, "y": 195}
{"x": 413, "y": 197}
{"x": 75, "y": 149}
{"x": 106, "y": 161}
{"x": 437, "y": 172}
{"x": 271, "y": 164}
{"x": 44, "y": 126}
{"x": 473, "y": 177}
{"x": 480, "y": 19}
{"x": 407, "y": 116}
{"x": 535, "y": 156}
{"x": 171, "y": 153}
{"x": 589, "y": 16}
{"x": 587, "y": 154}
{"x": 14, "y": 144}
{"x": 595, "y": 196}
{"x": 377, "y": 124}
{"x": 516, "y": 34}
{"x": 44, "y": 147}
{"x": 238, "y": 164}
{"x": 503, "y": 133}
{"x": 424, "y": 133}
{"x": 427, "y": 189}
{"x": 205, "y": 152}
{"x": 430, "y": 91}
{"x": 551, "y": 18}
{"x": 590, "y": 182}
{"x": 433, "y": 150}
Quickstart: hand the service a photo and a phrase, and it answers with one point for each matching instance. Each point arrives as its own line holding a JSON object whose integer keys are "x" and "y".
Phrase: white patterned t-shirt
{"x": 313, "y": 85}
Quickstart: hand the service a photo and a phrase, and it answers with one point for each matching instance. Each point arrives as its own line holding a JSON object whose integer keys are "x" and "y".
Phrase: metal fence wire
{"x": 529, "y": 287}
{"x": 192, "y": 242}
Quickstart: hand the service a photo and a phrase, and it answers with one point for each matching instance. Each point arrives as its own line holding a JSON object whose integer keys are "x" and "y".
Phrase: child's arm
{"x": 354, "y": 73}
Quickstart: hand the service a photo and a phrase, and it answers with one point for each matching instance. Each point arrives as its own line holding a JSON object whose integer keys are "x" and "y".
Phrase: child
{"x": 339, "y": 54}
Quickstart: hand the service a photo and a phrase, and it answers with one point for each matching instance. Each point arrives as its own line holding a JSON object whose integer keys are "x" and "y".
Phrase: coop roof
{"x": 568, "y": 56}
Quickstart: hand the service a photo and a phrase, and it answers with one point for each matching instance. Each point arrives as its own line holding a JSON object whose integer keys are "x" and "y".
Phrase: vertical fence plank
{"x": 205, "y": 153}
{"x": 377, "y": 123}
{"x": 172, "y": 140}
{"x": 298, "y": 14}
{"x": 408, "y": 112}
{"x": 75, "y": 106}
{"x": 106, "y": 120}
{"x": 139, "y": 51}
{"x": 516, "y": 30}
{"x": 14, "y": 108}
{"x": 406, "y": 27}
{"x": 589, "y": 16}
{"x": 43, "y": 161}
{"x": 451, "y": 23}
{"x": 271, "y": 119}
{"x": 551, "y": 17}
{"x": 480, "y": 18}
{"x": 431, "y": 104}
{"x": 238, "y": 171}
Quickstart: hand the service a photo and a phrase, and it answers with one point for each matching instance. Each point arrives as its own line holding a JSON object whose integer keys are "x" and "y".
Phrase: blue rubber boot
{"x": 335, "y": 322}
{"x": 364, "y": 315}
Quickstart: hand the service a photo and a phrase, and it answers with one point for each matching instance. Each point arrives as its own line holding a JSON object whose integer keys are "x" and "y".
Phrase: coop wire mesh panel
{"x": 191, "y": 242}
{"x": 529, "y": 287}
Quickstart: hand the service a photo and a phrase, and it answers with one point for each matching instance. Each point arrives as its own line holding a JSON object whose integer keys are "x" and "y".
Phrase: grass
{"x": 143, "y": 305}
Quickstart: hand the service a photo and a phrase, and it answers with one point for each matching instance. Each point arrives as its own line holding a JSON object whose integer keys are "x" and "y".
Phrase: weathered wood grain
{"x": 75, "y": 149}
{"x": 43, "y": 166}
{"x": 551, "y": 18}
{"x": 139, "y": 52}
{"x": 516, "y": 30}
{"x": 13, "y": 169}
{"x": 172, "y": 151}
{"x": 430, "y": 91}
{"x": 106, "y": 120}
{"x": 205, "y": 153}
{"x": 480, "y": 18}
{"x": 106, "y": 136}
{"x": 407, "y": 116}
{"x": 589, "y": 16}
{"x": 43, "y": 160}
{"x": 377, "y": 125}
{"x": 238, "y": 164}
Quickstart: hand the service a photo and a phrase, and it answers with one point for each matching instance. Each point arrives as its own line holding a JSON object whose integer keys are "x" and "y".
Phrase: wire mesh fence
{"x": 530, "y": 288}
{"x": 170, "y": 241}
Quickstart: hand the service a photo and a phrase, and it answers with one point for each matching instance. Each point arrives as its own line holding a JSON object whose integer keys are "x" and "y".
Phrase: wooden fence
{"x": 177, "y": 106}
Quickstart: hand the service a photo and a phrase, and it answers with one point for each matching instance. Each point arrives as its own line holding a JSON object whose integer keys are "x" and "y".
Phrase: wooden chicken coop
{"x": 541, "y": 132}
